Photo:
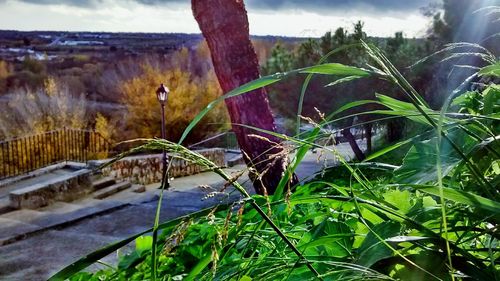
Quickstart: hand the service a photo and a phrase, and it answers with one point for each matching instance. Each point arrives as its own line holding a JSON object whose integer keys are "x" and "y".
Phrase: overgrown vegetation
{"x": 125, "y": 87}
{"x": 49, "y": 108}
{"x": 424, "y": 206}
{"x": 433, "y": 217}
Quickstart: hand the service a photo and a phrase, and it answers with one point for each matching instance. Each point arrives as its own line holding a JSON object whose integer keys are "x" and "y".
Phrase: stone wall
{"x": 147, "y": 169}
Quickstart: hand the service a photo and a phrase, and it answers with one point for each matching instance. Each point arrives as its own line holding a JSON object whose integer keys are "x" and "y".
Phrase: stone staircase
{"x": 19, "y": 223}
{"x": 39, "y": 206}
{"x": 106, "y": 186}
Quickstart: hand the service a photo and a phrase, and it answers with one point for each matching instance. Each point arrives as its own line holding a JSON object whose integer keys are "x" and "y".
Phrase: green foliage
{"x": 434, "y": 217}
{"x": 490, "y": 70}
{"x": 326, "y": 94}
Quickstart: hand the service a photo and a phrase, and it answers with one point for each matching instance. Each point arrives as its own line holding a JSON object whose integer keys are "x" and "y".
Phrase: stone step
{"x": 110, "y": 190}
{"x": 24, "y": 215}
{"x": 103, "y": 182}
{"x": 138, "y": 188}
{"x": 59, "y": 188}
{"x": 20, "y": 224}
{"x": 5, "y": 206}
{"x": 13, "y": 230}
{"x": 235, "y": 160}
{"x": 61, "y": 208}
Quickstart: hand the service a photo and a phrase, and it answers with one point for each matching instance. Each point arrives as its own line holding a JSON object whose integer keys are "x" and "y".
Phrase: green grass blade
{"x": 248, "y": 87}
{"x": 463, "y": 197}
{"x": 337, "y": 69}
{"x": 308, "y": 80}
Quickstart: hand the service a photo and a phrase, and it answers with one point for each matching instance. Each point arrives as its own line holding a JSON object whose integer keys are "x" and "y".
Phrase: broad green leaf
{"x": 400, "y": 199}
{"x": 493, "y": 70}
{"x": 419, "y": 164}
{"x": 463, "y": 197}
{"x": 329, "y": 245}
{"x": 386, "y": 150}
{"x": 495, "y": 167}
{"x": 336, "y": 69}
{"x": 329, "y": 238}
{"x": 204, "y": 262}
{"x": 143, "y": 243}
{"x": 372, "y": 249}
{"x": 491, "y": 99}
{"x": 403, "y": 108}
{"x": 130, "y": 260}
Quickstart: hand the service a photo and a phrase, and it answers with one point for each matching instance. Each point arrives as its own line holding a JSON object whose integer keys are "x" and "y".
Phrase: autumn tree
{"x": 5, "y": 72}
{"x": 188, "y": 95}
{"x": 49, "y": 108}
{"x": 224, "y": 25}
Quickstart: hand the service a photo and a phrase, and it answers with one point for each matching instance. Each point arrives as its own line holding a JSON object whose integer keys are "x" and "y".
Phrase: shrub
{"x": 188, "y": 95}
{"x": 53, "y": 107}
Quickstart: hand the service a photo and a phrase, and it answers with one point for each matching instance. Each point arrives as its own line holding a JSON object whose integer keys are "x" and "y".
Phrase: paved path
{"x": 44, "y": 253}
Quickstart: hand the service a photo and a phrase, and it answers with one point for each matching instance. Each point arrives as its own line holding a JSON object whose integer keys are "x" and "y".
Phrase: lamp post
{"x": 162, "y": 96}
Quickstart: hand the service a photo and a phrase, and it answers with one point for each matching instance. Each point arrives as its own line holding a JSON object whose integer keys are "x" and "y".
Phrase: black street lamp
{"x": 162, "y": 96}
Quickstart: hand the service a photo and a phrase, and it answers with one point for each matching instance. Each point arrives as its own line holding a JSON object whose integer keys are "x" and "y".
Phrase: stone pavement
{"x": 59, "y": 234}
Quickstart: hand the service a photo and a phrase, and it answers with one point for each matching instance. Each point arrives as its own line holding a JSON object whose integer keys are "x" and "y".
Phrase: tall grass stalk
{"x": 362, "y": 199}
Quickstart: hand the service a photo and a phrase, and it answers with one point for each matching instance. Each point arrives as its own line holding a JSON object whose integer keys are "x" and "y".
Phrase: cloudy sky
{"x": 302, "y": 18}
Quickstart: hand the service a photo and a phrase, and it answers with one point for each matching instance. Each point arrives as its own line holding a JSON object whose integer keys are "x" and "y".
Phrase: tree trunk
{"x": 395, "y": 129}
{"x": 368, "y": 134}
{"x": 224, "y": 25}
{"x": 354, "y": 145}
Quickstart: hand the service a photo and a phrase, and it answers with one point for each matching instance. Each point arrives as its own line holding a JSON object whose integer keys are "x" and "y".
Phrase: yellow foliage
{"x": 180, "y": 58}
{"x": 106, "y": 130}
{"x": 202, "y": 50}
{"x": 188, "y": 96}
{"x": 103, "y": 127}
{"x": 5, "y": 69}
{"x": 44, "y": 110}
{"x": 50, "y": 86}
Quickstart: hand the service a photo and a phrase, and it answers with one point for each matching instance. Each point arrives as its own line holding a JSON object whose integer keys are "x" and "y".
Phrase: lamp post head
{"x": 162, "y": 94}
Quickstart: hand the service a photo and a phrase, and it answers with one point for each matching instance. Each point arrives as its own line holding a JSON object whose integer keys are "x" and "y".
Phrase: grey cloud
{"x": 320, "y": 6}
{"x": 325, "y": 6}
{"x": 76, "y": 3}
{"x": 316, "y": 6}
{"x": 158, "y": 2}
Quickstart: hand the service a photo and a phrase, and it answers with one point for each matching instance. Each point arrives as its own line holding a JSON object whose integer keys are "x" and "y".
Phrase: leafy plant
{"x": 434, "y": 217}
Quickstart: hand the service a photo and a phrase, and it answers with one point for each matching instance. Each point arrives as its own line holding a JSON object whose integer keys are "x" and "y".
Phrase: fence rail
{"x": 23, "y": 155}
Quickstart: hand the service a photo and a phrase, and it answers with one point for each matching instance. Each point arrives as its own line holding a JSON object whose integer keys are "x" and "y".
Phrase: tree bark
{"x": 224, "y": 25}
{"x": 395, "y": 128}
{"x": 354, "y": 145}
{"x": 368, "y": 134}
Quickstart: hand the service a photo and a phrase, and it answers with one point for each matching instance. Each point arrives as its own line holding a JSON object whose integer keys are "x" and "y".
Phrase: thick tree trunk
{"x": 354, "y": 145}
{"x": 224, "y": 25}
